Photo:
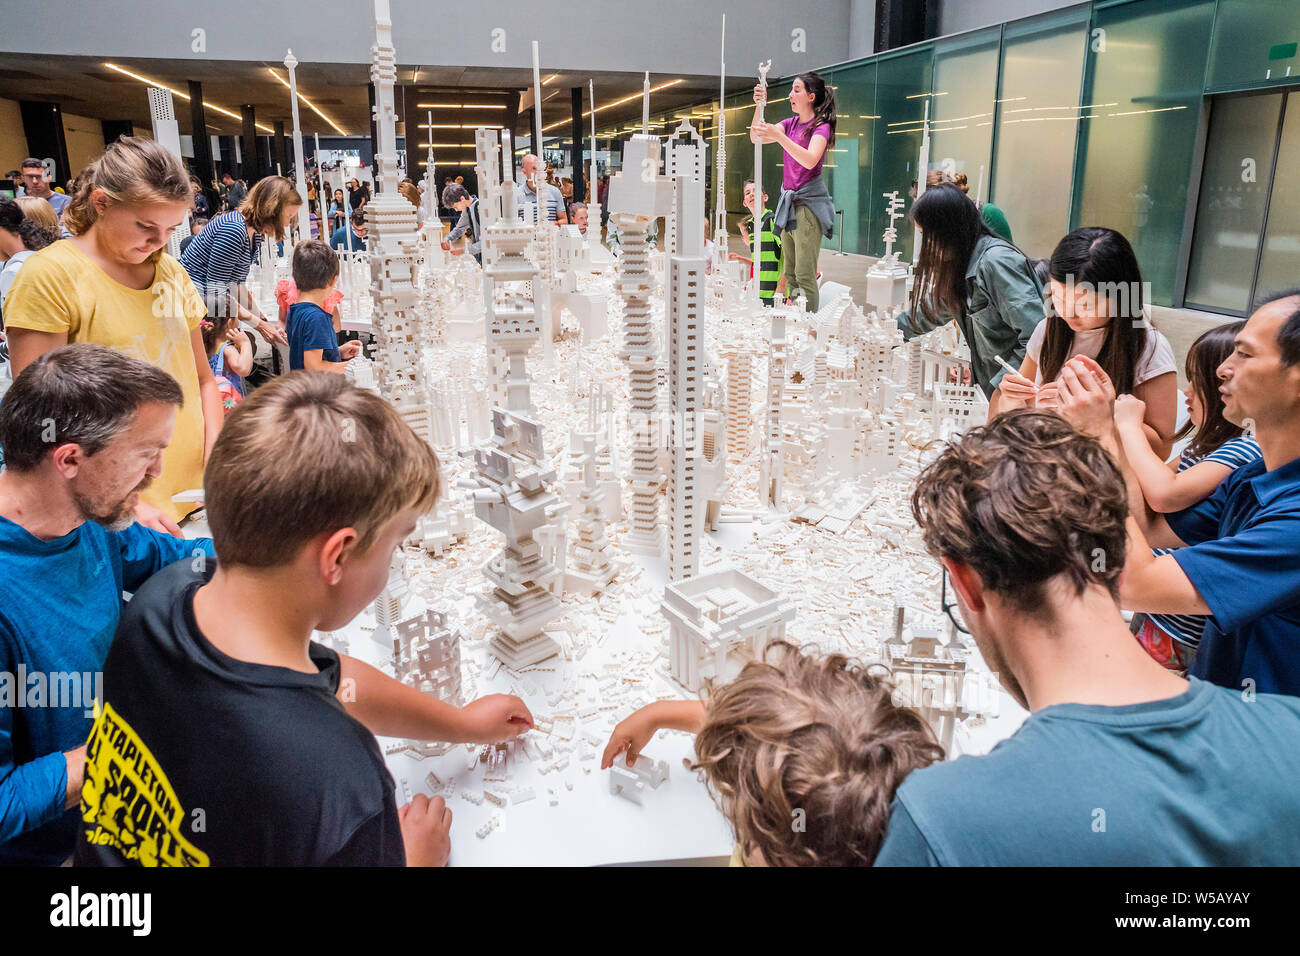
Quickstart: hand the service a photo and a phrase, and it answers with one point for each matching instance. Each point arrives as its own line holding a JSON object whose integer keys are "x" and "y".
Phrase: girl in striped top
{"x": 1217, "y": 449}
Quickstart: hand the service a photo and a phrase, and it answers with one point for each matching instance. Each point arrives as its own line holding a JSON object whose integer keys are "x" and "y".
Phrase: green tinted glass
{"x": 965, "y": 86}
{"x": 1038, "y": 120}
{"x": 1232, "y": 201}
{"x": 1148, "y": 60}
{"x": 1279, "y": 266}
{"x": 902, "y": 90}
{"x": 1256, "y": 43}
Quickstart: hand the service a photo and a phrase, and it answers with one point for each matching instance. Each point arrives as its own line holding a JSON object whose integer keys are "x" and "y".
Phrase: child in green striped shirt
{"x": 770, "y": 277}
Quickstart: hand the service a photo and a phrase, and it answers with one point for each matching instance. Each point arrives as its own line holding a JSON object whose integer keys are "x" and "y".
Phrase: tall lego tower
{"x": 431, "y": 228}
{"x": 684, "y": 155}
{"x": 512, "y": 470}
{"x": 392, "y": 244}
{"x": 720, "y": 175}
{"x": 638, "y": 195}
{"x": 687, "y": 268}
{"x": 771, "y": 468}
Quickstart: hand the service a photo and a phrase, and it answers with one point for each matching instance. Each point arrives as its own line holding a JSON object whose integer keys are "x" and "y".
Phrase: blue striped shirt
{"x": 1234, "y": 453}
{"x": 219, "y": 257}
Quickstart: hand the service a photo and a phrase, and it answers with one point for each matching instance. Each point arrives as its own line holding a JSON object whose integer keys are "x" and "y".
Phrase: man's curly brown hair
{"x": 819, "y": 735}
{"x": 1022, "y": 500}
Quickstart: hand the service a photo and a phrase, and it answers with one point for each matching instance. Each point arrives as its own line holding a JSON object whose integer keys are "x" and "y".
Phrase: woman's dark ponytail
{"x": 823, "y": 103}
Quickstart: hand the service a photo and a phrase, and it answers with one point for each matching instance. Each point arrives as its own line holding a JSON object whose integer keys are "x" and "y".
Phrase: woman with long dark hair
{"x": 966, "y": 274}
{"x": 1096, "y": 310}
{"x": 804, "y": 212}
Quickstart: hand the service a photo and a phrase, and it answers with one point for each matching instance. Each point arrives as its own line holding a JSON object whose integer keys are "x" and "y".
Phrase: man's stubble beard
{"x": 121, "y": 517}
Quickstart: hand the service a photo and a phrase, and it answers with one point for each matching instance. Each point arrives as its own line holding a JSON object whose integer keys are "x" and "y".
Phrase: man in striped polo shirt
{"x": 770, "y": 277}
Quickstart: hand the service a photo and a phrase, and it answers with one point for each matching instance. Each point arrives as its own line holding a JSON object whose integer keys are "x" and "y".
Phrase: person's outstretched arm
{"x": 635, "y": 731}
{"x": 1162, "y": 488}
{"x": 389, "y": 708}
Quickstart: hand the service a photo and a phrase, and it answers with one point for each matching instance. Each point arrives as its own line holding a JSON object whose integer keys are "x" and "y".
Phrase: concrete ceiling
{"x": 84, "y": 86}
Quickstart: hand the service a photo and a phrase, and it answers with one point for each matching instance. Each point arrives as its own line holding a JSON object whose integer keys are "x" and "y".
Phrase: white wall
{"x": 956, "y": 16}
{"x": 13, "y": 141}
{"x": 862, "y": 29}
{"x": 85, "y": 139}
{"x": 662, "y": 36}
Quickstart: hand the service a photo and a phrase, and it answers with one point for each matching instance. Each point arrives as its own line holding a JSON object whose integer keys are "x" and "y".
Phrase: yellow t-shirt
{"x": 60, "y": 290}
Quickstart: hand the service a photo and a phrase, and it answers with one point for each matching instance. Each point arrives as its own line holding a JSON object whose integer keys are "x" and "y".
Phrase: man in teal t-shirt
{"x": 69, "y": 547}
{"x": 1120, "y": 763}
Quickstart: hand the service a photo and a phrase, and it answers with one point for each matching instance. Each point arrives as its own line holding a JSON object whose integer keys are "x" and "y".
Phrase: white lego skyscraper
{"x": 637, "y": 196}
{"x": 392, "y": 243}
{"x": 771, "y": 482}
{"x": 687, "y": 268}
{"x": 513, "y": 473}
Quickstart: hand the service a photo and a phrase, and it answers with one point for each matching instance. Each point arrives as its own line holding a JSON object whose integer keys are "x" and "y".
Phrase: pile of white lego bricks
{"x": 844, "y": 585}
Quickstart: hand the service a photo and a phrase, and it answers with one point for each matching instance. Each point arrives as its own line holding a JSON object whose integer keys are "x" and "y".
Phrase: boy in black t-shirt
{"x": 226, "y": 736}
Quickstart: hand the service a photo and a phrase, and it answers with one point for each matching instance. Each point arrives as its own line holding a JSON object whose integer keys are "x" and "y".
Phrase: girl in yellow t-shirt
{"x": 112, "y": 285}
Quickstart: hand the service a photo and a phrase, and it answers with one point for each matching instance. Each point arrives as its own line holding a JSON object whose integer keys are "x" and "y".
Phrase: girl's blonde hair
{"x": 410, "y": 193}
{"x": 266, "y": 202}
{"x": 131, "y": 171}
{"x": 40, "y": 212}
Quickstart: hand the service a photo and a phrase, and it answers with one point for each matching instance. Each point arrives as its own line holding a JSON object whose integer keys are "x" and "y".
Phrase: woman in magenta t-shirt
{"x": 805, "y": 211}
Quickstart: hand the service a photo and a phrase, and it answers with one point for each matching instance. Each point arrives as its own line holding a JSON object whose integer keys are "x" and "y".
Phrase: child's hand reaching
{"x": 349, "y": 350}
{"x": 1130, "y": 412}
{"x": 494, "y": 718}
{"x": 631, "y": 734}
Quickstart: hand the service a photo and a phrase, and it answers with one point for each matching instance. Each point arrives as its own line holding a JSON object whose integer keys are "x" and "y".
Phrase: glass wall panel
{"x": 740, "y": 151}
{"x": 1038, "y": 119}
{"x": 1256, "y": 43}
{"x": 961, "y": 111}
{"x": 1145, "y": 71}
{"x": 902, "y": 89}
{"x": 740, "y": 155}
{"x": 847, "y": 169}
{"x": 1232, "y": 201}
{"x": 1279, "y": 266}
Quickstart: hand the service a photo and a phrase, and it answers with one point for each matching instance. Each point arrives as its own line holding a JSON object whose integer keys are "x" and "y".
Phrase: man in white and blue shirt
{"x": 532, "y": 182}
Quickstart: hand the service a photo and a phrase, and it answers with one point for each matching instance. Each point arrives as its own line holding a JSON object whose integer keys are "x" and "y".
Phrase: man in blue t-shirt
{"x": 313, "y": 340}
{"x": 1238, "y": 551}
{"x": 82, "y": 429}
{"x": 1121, "y": 762}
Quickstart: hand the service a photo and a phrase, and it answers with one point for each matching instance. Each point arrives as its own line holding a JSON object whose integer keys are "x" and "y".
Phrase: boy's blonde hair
{"x": 264, "y": 207}
{"x": 310, "y": 453}
{"x": 130, "y": 171}
{"x": 804, "y": 755}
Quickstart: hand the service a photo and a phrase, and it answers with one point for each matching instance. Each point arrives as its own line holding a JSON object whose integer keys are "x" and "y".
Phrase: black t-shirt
{"x": 199, "y": 759}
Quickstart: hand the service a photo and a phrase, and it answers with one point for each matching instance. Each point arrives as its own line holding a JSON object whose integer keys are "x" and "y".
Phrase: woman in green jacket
{"x": 967, "y": 274}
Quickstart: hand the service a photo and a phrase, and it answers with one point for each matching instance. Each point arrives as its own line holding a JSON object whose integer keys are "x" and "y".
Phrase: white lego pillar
{"x": 300, "y": 172}
{"x": 637, "y": 196}
{"x": 686, "y": 268}
{"x": 772, "y": 467}
{"x": 922, "y": 168}
{"x": 400, "y": 333}
{"x": 757, "y": 237}
{"x": 720, "y": 175}
{"x": 167, "y": 132}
